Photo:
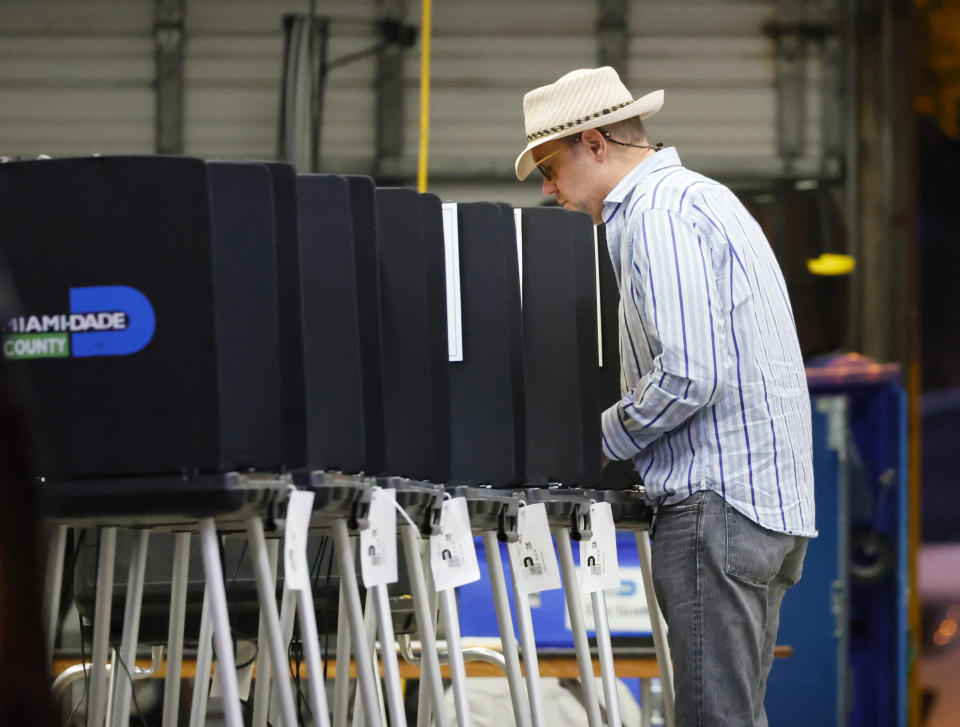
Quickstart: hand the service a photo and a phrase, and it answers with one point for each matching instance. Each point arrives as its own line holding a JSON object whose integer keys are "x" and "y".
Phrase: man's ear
{"x": 595, "y": 143}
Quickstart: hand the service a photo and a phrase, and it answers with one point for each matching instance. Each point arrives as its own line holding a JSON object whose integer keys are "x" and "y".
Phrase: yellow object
{"x": 831, "y": 264}
{"x": 424, "y": 97}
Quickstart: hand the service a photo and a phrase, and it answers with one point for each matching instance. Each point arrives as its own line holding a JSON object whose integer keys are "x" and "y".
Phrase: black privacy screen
{"x": 136, "y": 299}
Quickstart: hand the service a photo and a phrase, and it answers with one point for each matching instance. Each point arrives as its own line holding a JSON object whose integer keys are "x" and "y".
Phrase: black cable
{"x": 133, "y": 692}
{"x": 606, "y": 135}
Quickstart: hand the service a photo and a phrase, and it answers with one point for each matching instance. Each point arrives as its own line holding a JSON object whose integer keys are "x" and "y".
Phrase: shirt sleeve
{"x": 672, "y": 306}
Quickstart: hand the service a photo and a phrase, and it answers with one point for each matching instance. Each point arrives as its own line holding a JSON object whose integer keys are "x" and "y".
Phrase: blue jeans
{"x": 720, "y": 579}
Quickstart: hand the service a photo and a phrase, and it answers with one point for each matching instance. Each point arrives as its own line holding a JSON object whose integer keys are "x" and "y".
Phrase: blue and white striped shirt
{"x": 714, "y": 391}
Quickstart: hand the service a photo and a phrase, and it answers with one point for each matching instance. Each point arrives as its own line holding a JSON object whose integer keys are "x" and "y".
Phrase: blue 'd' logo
{"x": 138, "y": 315}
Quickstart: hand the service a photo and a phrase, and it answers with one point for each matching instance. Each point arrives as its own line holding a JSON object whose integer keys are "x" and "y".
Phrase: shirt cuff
{"x": 617, "y": 441}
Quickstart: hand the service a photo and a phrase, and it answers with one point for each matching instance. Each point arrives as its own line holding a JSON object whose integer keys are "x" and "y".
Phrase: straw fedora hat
{"x": 582, "y": 99}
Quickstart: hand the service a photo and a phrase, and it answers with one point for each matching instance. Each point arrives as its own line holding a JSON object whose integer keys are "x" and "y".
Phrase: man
{"x": 714, "y": 412}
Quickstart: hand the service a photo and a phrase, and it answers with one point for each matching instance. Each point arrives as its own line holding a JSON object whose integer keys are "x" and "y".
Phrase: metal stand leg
{"x": 646, "y": 706}
{"x": 101, "y": 627}
{"x": 311, "y": 647}
{"x": 178, "y": 607}
{"x": 341, "y": 684}
{"x": 571, "y": 591}
{"x": 52, "y": 586}
{"x": 501, "y": 602}
{"x": 348, "y": 580}
{"x": 608, "y": 675}
{"x": 261, "y": 689}
{"x": 201, "y": 681}
{"x": 458, "y": 673}
{"x": 288, "y": 614}
{"x": 388, "y": 652}
{"x": 370, "y": 642}
{"x": 528, "y": 644}
{"x": 266, "y": 590}
{"x": 426, "y": 618}
{"x": 657, "y": 625}
{"x": 226, "y": 666}
{"x": 122, "y": 684}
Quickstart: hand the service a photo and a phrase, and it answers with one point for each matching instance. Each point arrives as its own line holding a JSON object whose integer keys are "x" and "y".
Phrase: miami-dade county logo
{"x": 107, "y": 320}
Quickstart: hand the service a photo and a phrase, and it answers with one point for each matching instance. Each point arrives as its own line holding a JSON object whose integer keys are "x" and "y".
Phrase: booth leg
{"x": 101, "y": 627}
{"x": 657, "y": 625}
{"x": 123, "y": 677}
{"x": 341, "y": 684}
{"x": 458, "y": 672}
{"x": 348, "y": 580}
{"x": 226, "y": 665}
{"x": 201, "y": 680}
{"x": 267, "y": 592}
{"x": 53, "y": 583}
{"x": 501, "y": 602}
{"x": 178, "y": 608}
{"x": 426, "y": 619}
{"x": 571, "y": 591}
{"x": 528, "y": 645}
{"x": 261, "y": 687}
{"x": 388, "y": 652}
{"x": 605, "y": 649}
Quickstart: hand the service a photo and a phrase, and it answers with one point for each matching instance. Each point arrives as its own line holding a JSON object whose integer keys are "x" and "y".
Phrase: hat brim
{"x": 643, "y": 107}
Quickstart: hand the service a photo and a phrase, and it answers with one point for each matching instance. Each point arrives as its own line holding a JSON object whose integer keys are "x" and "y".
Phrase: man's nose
{"x": 548, "y": 187}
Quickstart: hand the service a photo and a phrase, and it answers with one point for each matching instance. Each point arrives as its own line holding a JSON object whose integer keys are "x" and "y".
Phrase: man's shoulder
{"x": 675, "y": 189}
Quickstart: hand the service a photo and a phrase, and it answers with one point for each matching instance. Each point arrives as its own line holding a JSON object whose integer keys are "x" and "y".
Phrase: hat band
{"x": 576, "y": 122}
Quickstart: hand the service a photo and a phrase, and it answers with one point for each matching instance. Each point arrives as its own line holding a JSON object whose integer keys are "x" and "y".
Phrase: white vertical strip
{"x": 517, "y": 222}
{"x": 451, "y": 245}
{"x": 596, "y": 273}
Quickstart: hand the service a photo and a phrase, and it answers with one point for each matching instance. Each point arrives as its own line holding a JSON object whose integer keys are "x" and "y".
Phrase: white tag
{"x": 532, "y": 558}
{"x": 453, "y": 557}
{"x": 451, "y": 246}
{"x": 599, "y": 569}
{"x": 378, "y": 543}
{"x": 518, "y": 225}
{"x": 296, "y": 572}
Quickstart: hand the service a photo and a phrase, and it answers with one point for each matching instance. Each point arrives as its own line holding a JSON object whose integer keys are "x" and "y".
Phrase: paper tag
{"x": 296, "y": 571}
{"x": 532, "y": 558}
{"x": 378, "y": 543}
{"x": 599, "y": 569}
{"x": 453, "y": 557}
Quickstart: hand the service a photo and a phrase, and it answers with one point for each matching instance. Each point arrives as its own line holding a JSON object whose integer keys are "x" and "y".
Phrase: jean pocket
{"x": 754, "y": 554}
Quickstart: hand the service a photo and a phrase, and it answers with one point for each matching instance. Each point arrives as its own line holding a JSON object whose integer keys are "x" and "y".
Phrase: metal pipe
{"x": 657, "y": 625}
{"x": 226, "y": 665}
{"x": 311, "y": 647}
{"x": 266, "y": 589}
{"x": 608, "y": 675}
{"x": 101, "y": 627}
{"x": 178, "y": 610}
{"x": 458, "y": 672}
{"x": 341, "y": 684}
{"x": 122, "y": 688}
{"x": 425, "y": 621}
{"x": 201, "y": 680}
{"x": 528, "y": 645}
{"x": 261, "y": 688}
{"x": 501, "y": 602}
{"x": 391, "y": 670}
{"x": 588, "y": 682}
{"x": 348, "y": 578}
{"x": 52, "y": 586}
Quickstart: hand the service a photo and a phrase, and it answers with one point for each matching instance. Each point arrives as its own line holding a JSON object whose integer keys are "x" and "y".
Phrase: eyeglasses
{"x": 544, "y": 170}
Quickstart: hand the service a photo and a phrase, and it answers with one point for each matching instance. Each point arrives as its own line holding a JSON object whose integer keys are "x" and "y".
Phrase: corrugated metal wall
{"x": 75, "y": 78}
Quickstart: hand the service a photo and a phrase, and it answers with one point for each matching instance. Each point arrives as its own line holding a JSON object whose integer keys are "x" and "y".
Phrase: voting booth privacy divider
{"x": 231, "y": 347}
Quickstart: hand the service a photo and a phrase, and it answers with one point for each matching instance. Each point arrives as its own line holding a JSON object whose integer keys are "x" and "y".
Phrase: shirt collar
{"x": 665, "y": 157}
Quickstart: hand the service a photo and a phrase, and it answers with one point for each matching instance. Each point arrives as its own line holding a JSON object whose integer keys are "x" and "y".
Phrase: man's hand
{"x": 604, "y": 461}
